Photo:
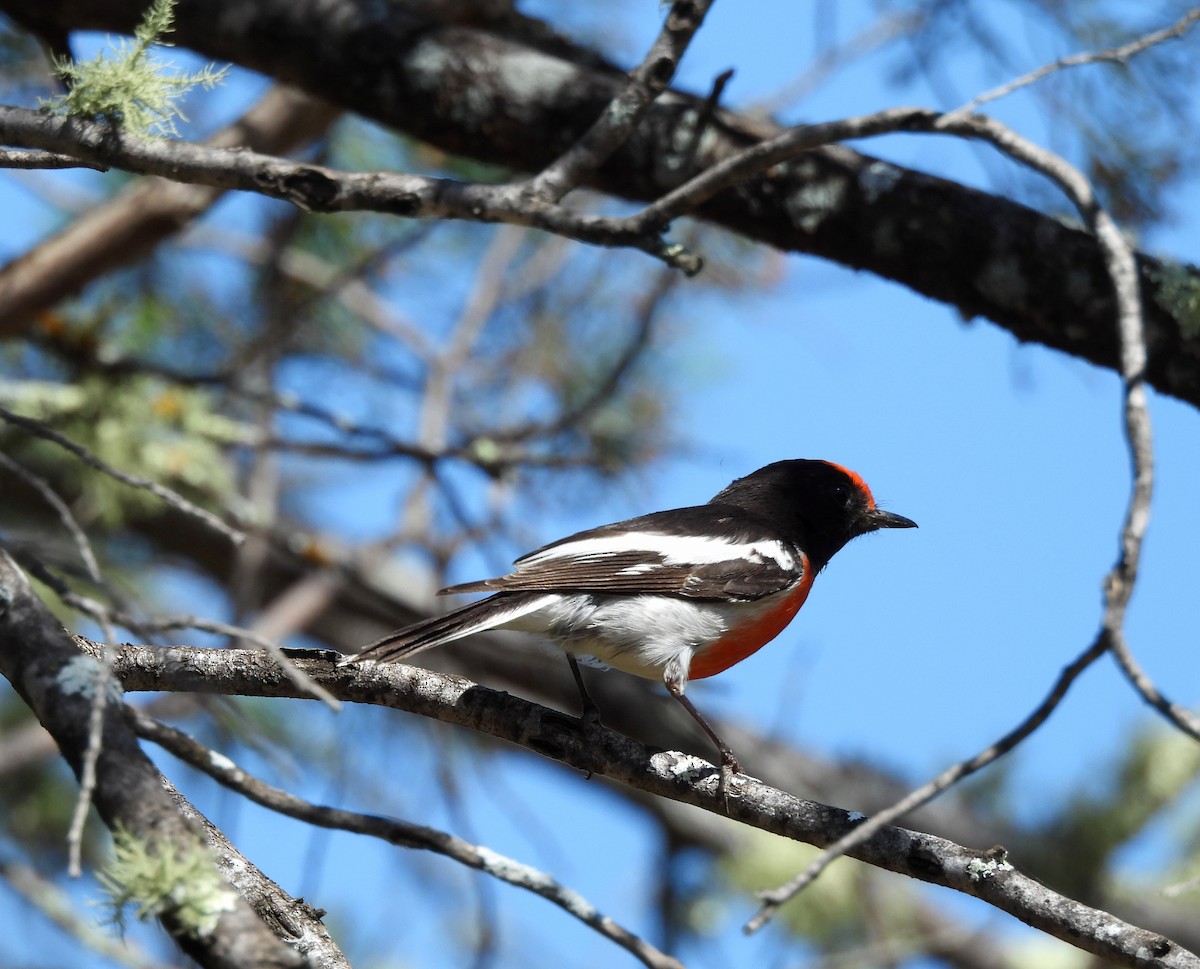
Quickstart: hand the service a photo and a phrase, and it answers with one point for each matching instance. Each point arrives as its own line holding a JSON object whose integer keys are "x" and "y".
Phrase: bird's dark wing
{"x": 706, "y": 552}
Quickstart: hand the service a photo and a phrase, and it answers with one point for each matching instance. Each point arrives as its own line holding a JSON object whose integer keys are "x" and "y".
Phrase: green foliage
{"x": 139, "y": 424}
{"x": 832, "y": 916}
{"x": 1078, "y": 845}
{"x": 131, "y": 88}
{"x": 184, "y": 885}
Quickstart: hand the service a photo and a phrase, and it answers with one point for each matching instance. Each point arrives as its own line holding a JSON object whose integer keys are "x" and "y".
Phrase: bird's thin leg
{"x": 675, "y": 682}
{"x": 590, "y": 713}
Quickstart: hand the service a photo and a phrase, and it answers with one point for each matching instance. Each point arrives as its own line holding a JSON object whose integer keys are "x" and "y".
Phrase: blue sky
{"x": 916, "y": 648}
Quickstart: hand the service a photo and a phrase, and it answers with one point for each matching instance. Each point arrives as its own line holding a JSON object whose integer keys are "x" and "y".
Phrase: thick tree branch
{"x": 40, "y": 659}
{"x": 291, "y": 919}
{"x": 530, "y": 100}
{"x": 984, "y": 874}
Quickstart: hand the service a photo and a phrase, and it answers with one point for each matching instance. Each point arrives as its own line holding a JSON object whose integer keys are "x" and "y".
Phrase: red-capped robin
{"x": 677, "y": 595}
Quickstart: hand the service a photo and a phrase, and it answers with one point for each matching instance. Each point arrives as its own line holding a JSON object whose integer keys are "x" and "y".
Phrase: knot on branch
{"x": 308, "y": 188}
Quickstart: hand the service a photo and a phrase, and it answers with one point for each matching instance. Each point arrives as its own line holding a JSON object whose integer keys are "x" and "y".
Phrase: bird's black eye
{"x": 844, "y": 495}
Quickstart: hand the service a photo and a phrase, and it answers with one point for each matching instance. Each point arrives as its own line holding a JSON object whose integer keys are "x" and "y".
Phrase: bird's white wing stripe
{"x": 675, "y": 550}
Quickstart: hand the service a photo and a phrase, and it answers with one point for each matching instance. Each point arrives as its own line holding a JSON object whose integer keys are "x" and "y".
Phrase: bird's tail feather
{"x": 478, "y": 616}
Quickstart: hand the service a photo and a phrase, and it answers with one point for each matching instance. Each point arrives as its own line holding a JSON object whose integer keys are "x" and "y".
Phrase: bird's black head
{"x": 817, "y": 505}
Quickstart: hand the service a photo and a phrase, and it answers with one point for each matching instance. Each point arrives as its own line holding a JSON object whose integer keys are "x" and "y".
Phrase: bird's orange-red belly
{"x": 749, "y": 637}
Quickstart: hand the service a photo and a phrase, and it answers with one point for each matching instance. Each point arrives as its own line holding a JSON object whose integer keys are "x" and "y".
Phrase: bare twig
{"x": 1119, "y": 586}
{"x": 87, "y": 777}
{"x": 1140, "y": 680}
{"x": 101, "y": 678}
{"x": 51, "y": 497}
{"x": 1111, "y": 55}
{"x": 704, "y": 117}
{"x": 395, "y": 832}
{"x": 167, "y": 623}
{"x": 646, "y": 82}
{"x": 763, "y": 155}
{"x": 773, "y": 899}
{"x": 170, "y": 497}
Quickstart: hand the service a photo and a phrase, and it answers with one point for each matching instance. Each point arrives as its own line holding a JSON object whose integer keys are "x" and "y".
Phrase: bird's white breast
{"x": 637, "y": 634}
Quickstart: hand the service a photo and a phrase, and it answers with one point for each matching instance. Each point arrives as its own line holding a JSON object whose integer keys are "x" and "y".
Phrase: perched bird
{"x": 677, "y": 595}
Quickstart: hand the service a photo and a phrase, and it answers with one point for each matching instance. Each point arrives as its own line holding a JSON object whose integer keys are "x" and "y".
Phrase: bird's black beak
{"x": 878, "y": 518}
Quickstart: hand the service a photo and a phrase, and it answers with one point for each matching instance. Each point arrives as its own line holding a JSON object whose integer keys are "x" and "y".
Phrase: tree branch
{"x": 1111, "y": 55}
{"x": 316, "y": 188}
{"x": 985, "y": 875}
{"x": 30, "y": 160}
{"x": 773, "y": 899}
{"x": 42, "y": 663}
{"x": 1122, "y": 271}
{"x": 621, "y": 116}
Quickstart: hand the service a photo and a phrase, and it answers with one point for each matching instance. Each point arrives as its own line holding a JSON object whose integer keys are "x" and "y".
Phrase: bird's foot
{"x": 590, "y": 723}
{"x": 589, "y": 715}
{"x": 731, "y": 768}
